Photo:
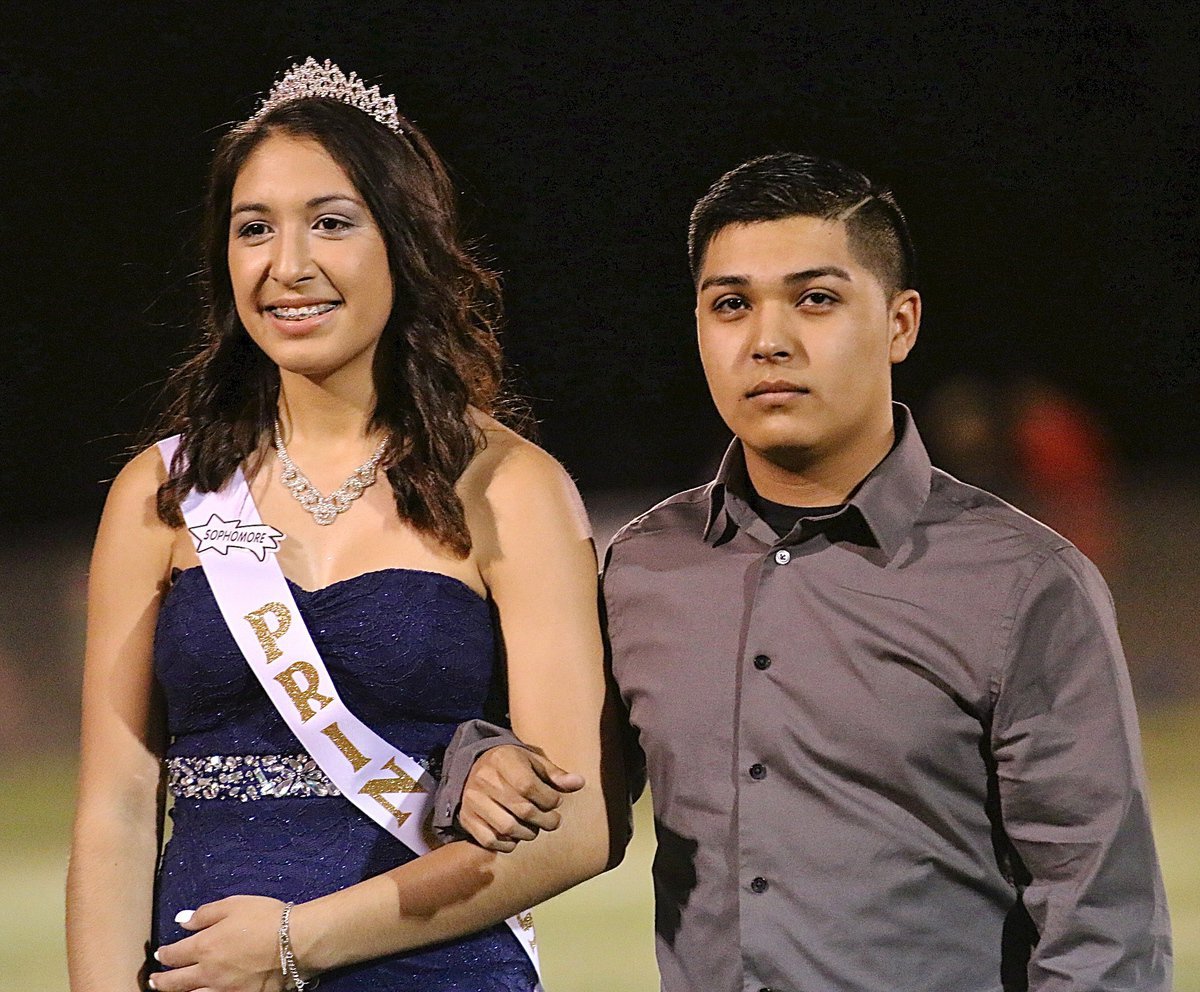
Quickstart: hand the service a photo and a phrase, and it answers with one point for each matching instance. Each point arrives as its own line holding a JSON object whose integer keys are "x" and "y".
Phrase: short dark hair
{"x": 789, "y": 184}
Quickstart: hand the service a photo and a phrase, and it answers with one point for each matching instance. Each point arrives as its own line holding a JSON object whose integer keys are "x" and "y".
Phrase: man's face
{"x": 798, "y": 339}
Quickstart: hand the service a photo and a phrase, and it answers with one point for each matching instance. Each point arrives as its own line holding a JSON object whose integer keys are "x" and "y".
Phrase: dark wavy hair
{"x": 437, "y": 356}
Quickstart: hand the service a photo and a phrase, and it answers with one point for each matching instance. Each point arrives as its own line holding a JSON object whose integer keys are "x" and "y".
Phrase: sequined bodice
{"x": 413, "y": 654}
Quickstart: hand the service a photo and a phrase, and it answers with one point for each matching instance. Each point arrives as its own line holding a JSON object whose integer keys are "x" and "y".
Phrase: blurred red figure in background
{"x": 1037, "y": 447}
{"x": 1065, "y": 468}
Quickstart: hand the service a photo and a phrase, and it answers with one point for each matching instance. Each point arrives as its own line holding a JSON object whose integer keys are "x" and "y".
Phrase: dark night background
{"x": 1045, "y": 156}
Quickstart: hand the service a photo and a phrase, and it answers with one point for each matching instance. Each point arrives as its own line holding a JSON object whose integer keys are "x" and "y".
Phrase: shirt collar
{"x": 889, "y": 498}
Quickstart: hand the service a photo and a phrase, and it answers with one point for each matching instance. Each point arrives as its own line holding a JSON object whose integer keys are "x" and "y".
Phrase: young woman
{"x": 349, "y": 350}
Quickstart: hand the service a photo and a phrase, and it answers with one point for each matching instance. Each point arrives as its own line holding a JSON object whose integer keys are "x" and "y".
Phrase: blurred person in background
{"x": 966, "y": 427}
{"x": 1030, "y": 442}
{"x": 349, "y": 332}
{"x": 886, "y": 717}
{"x": 1065, "y": 467}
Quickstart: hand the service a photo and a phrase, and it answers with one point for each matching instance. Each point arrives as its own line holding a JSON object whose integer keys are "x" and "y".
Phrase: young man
{"x": 886, "y": 717}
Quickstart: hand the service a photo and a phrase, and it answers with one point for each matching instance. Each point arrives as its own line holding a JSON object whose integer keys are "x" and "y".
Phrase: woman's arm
{"x": 535, "y": 552}
{"x": 117, "y": 822}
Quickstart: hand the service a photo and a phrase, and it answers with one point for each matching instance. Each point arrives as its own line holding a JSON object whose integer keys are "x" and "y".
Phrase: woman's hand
{"x": 235, "y": 948}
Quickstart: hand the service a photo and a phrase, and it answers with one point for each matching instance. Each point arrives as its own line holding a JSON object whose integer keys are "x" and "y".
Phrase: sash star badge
{"x": 220, "y": 535}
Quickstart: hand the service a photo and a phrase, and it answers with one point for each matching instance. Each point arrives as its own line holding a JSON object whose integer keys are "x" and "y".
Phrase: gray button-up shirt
{"x": 894, "y": 750}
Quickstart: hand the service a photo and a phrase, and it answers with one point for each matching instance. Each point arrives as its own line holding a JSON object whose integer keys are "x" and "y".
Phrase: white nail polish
{"x": 157, "y": 958}
{"x": 184, "y": 915}
{"x": 150, "y": 982}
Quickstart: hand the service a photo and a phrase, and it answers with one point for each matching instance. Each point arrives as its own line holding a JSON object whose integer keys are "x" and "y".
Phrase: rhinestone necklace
{"x": 325, "y": 509}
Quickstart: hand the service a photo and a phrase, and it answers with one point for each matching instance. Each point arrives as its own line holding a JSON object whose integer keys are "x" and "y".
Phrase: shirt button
{"x": 758, "y": 771}
{"x": 762, "y": 662}
{"x": 782, "y": 556}
{"x": 759, "y": 885}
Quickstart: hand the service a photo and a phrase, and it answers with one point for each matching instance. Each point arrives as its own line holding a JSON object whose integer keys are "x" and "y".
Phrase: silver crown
{"x": 312, "y": 79}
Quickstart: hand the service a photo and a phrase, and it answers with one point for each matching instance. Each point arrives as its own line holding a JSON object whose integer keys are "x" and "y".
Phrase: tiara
{"x": 312, "y": 79}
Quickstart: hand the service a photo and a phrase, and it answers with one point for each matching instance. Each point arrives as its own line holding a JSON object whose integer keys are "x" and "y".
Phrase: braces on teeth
{"x": 300, "y": 313}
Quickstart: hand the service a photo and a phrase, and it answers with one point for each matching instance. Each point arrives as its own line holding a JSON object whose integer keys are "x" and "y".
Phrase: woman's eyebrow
{"x": 316, "y": 201}
{"x": 249, "y": 208}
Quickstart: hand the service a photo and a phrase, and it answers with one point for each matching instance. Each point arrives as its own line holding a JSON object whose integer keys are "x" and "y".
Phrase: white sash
{"x": 261, "y": 613}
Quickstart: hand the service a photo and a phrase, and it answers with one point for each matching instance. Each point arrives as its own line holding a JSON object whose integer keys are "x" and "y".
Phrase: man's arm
{"x": 1073, "y": 790}
{"x": 498, "y": 791}
{"x": 514, "y": 795}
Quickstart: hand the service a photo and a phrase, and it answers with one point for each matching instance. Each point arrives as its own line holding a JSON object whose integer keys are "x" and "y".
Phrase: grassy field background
{"x": 596, "y": 938}
{"x": 599, "y": 936}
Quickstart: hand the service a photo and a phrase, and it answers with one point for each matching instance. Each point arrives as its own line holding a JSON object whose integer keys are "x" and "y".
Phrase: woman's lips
{"x": 299, "y": 319}
{"x": 301, "y": 312}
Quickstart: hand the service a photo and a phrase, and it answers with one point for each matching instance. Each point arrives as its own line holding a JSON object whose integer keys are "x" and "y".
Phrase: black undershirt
{"x": 780, "y": 517}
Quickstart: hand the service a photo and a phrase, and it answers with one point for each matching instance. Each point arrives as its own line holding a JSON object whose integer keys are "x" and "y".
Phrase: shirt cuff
{"x": 470, "y": 740}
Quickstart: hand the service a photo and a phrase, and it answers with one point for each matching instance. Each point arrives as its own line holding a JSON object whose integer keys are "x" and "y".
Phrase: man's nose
{"x": 772, "y": 341}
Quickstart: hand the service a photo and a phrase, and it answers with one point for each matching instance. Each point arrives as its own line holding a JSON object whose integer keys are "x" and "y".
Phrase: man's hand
{"x": 511, "y": 795}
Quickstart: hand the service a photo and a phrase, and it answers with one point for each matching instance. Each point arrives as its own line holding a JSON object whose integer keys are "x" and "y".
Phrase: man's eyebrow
{"x": 316, "y": 201}
{"x": 790, "y": 279}
{"x": 724, "y": 281}
{"x": 825, "y": 270}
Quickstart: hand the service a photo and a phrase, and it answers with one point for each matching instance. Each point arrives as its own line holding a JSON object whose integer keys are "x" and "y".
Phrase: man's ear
{"x": 904, "y": 320}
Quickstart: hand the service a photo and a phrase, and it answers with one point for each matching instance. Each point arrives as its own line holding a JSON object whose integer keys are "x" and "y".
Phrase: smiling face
{"x": 798, "y": 339}
{"x": 308, "y": 264}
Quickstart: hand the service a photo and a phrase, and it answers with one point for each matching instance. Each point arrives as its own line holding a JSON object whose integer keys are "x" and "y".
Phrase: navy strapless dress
{"x": 413, "y": 655}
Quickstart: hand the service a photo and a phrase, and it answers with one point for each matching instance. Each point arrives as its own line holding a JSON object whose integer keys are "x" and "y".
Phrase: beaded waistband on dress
{"x": 246, "y": 777}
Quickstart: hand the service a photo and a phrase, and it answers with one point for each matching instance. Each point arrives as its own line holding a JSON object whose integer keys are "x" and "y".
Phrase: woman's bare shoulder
{"x": 515, "y": 477}
{"x": 139, "y": 479}
{"x": 508, "y": 462}
{"x": 131, "y": 509}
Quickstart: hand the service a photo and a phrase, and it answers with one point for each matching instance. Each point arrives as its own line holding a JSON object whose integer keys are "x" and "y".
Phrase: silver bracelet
{"x": 287, "y": 960}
